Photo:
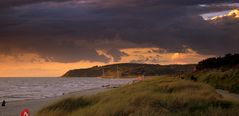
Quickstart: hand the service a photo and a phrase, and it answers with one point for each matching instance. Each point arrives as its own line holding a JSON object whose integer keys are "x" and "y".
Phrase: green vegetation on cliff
{"x": 153, "y": 97}
{"x": 220, "y": 72}
{"x": 129, "y": 69}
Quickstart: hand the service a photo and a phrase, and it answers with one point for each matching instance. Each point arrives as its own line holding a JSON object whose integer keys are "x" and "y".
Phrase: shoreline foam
{"x": 14, "y": 108}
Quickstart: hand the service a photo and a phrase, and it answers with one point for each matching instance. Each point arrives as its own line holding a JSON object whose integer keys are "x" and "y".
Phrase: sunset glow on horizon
{"x": 46, "y": 38}
{"x": 32, "y": 65}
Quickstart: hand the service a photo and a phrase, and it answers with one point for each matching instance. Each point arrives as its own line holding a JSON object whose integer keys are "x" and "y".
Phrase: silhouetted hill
{"x": 129, "y": 70}
{"x": 228, "y": 61}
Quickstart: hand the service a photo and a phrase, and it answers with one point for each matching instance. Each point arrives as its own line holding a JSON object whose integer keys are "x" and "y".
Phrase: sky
{"x": 46, "y": 38}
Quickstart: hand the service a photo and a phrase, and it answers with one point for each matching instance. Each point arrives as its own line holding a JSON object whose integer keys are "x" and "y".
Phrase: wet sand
{"x": 15, "y": 107}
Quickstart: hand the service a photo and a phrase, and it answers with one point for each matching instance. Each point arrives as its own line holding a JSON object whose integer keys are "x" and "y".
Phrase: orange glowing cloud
{"x": 232, "y": 13}
{"x": 216, "y": 16}
{"x": 161, "y": 56}
{"x": 105, "y": 53}
{"x": 33, "y": 65}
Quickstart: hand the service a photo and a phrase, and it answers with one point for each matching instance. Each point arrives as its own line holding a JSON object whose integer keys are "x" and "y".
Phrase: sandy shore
{"x": 14, "y": 108}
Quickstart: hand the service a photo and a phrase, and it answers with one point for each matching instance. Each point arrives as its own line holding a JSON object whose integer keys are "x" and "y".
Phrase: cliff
{"x": 129, "y": 70}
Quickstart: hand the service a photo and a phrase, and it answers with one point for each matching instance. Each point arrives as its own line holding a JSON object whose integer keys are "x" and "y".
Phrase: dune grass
{"x": 219, "y": 78}
{"x": 153, "y": 97}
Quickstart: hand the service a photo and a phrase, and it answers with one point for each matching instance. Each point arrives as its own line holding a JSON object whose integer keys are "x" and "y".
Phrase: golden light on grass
{"x": 153, "y": 97}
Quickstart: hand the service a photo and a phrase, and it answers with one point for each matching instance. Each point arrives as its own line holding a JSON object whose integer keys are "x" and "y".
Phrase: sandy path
{"x": 228, "y": 95}
{"x": 14, "y": 108}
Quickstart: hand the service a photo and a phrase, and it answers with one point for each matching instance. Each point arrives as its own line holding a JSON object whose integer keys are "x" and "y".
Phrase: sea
{"x": 13, "y": 89}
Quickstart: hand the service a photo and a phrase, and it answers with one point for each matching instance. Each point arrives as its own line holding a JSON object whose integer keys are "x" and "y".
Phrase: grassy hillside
{"x": 153, "y": 97}
{"x": 227, "y": 79}
{"x": 220, "y": 72}
{"x": 129, "y": 69}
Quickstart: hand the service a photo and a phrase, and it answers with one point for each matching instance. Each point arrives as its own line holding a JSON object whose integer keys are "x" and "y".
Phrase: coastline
{"x": 14, "y": 108}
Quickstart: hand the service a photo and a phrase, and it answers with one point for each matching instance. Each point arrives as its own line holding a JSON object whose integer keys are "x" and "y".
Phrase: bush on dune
{"x": 153, "y": 97}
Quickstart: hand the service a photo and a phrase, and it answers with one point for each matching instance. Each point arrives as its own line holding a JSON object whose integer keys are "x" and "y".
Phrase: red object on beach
{"x": 25, "y": 112}
{"x": 139, "y": 79}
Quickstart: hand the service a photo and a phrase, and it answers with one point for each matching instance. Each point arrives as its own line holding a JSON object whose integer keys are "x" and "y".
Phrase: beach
{"x": 35, "y": 93}
{"x": 15, "y": 107}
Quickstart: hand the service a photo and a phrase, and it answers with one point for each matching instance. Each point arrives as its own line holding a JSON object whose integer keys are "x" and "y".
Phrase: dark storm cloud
{"x": 13, "y": 3}
{"x": 73, "y": 31}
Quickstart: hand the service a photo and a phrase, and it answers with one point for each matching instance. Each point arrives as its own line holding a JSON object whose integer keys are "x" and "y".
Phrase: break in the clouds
{"x": 108, "y": 31}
